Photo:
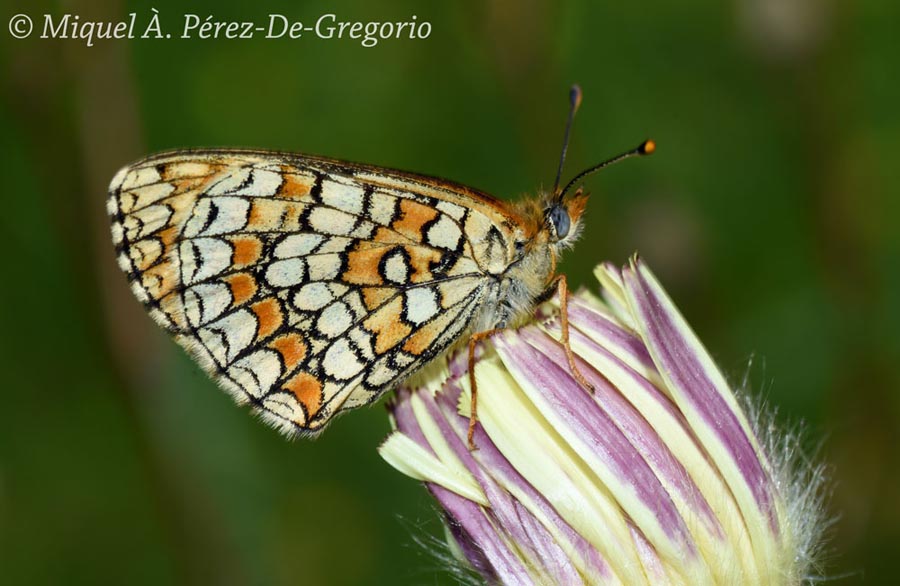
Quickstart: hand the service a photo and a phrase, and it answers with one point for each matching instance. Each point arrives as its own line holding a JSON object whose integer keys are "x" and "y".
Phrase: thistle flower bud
{"x": 657, "y": 477}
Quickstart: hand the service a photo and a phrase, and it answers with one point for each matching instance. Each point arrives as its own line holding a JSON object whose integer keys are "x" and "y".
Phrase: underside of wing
{"x": 303, "y": 285}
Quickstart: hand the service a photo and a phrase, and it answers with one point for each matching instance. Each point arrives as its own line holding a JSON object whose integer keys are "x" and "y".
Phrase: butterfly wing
{"x": 304, "y": 285}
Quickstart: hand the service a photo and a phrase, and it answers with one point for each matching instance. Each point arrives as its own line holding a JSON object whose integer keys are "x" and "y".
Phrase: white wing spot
{"x": 257, "y": 372}
{"x": 329, "y": 221}
{"x": 212, "y": 343}
{"x": 348, "y": 198}
{"x": 229, "y": 182}
{"x": 421, "y": 305}
{"x": 334, "y": 320}
{"x": 146, "y": 221}
{"x": 445, "y": 233}
{"x": 137, "y": 177}
{"x": 451, "y": 209}
{"x": 396, "y": 269}
{"x": 213, "y": 298}
{"x": 144, "y": 252}
{"x": 324, "y": 268}
{"x": 231, "y": 215}
{"x": 297, "y": 245}
{"x": 202, "y": 258}
{"x": 382, "y": 208}
{"x": 312, "y": 297}
{"x": 341, "y": 362}
{"x": 262, "y": 184}
{"x": 144, "y": 196}
{"x": 286, "y": 273}
{"x": 239, "y": 329}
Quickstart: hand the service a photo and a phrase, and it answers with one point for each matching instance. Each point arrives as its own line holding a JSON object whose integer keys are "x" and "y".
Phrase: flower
{"x": 658, "y": 476}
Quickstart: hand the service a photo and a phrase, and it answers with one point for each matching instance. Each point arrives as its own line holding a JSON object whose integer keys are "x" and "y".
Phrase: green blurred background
{"x": 770, "y": 212}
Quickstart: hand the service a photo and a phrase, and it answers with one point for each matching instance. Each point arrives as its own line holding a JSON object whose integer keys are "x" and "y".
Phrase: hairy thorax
{"x": 518, "y": 290}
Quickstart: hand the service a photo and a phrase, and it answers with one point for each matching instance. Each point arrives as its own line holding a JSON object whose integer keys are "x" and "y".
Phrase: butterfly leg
{"x": 473, "y": 404}
{"x": 563, "y": 288}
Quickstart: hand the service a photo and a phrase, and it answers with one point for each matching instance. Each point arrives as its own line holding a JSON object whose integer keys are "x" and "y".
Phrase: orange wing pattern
{"x": 306, "y": 286}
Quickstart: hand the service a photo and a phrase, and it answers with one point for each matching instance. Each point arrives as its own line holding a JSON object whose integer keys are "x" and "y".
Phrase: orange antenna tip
{"x": 645, "y": 148}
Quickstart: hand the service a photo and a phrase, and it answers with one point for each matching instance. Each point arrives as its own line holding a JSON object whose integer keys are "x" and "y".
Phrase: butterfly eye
{"x": 559, "y": 218}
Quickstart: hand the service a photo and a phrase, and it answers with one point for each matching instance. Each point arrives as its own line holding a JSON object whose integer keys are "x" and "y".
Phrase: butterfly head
{"x": 562, "y": 219}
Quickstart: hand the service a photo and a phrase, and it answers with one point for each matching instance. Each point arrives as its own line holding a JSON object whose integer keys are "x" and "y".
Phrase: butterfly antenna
{"x": 574, "y": 102}
{"x": 645, "y": 148}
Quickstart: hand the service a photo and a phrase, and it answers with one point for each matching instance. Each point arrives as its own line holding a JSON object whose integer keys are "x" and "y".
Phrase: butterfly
{"x": 308, "y": 286}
